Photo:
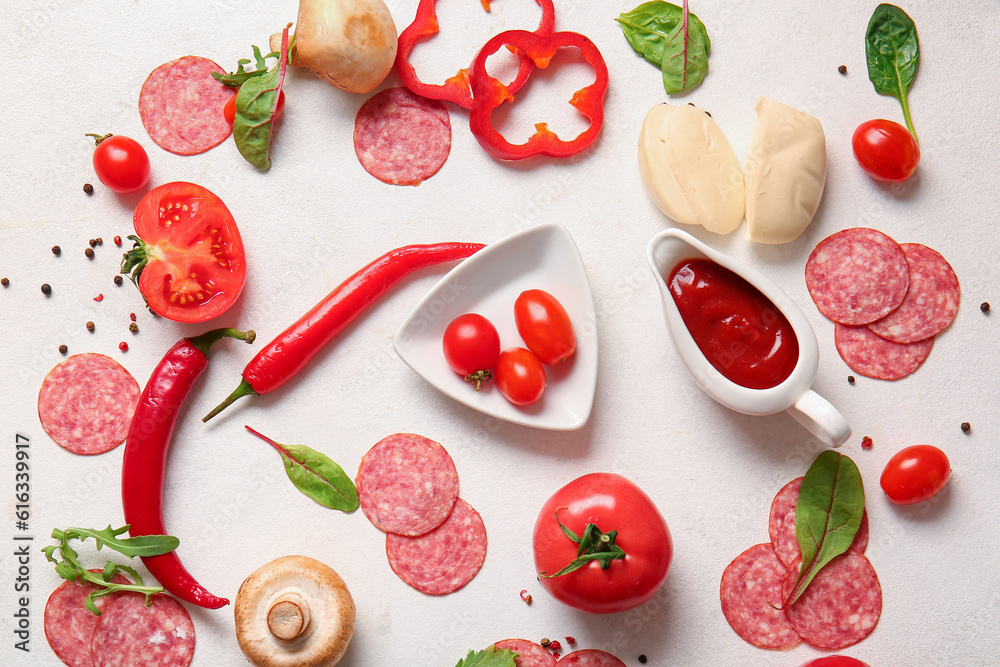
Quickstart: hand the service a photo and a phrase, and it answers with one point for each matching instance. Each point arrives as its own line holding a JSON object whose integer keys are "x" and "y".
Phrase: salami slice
{"x": 402, "y": 138}
{"x": 407, "y": 484}
{"x": 69, "y": 625}
{"x": 445, "y": 559}
{"x": 529, "y": 654}
{"x": 751, "y": 584}
{"x": 857, "y": 276}
{"x": 840, "y": 607}
{"x": 86, "y": 403}
{"x": 181, "y": 106}
{"x": 875, "y": 357}
{"x": 589, "y": 657}
{"x": 781, "y": 525}
{"x": 931, "y": 301}
{"x": 130, "y": 633}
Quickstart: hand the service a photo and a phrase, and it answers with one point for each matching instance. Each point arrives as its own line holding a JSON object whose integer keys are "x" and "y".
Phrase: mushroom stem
{"x": 288, "y": 616}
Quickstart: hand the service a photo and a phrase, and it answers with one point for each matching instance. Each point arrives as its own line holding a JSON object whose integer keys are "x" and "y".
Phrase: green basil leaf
{"x": 893, "y": 53}
{"x": 316, "y": 475}
{"x": 685, "y": 61}
{"x": 256, "y": 103}
{"x": 827, "y": 515}
{"x": 489, "y": 657}
{"x": 647, "y": 29}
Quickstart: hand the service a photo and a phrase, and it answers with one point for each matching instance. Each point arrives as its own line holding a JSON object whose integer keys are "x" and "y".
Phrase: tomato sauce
{"x": 741, "y": 333}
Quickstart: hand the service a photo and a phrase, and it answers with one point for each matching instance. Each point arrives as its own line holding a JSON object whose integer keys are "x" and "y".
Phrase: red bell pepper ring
{"x": 457, "y": 88}
{"x": 489, "y": 94}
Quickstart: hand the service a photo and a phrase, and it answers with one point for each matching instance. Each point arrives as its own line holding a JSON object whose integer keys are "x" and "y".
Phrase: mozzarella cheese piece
{"x": 785, "y": 173}
{"x": 689, "y": 168}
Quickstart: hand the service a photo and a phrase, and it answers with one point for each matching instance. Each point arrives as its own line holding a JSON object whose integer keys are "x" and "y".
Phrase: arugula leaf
{"x": 827, "y": 515}
{"x": 256, "y": 103}
{"x": 892, "y": 51}
{"x": 647, "y": 29}
{"x": 240, "y": 76}
{"x": 68, "y": 566}
{"x": 316, "y": 475}
{"x": 489, "y": 658}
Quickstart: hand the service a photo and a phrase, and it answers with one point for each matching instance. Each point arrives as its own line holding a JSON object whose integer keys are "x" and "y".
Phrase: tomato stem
{"x": 479, "y": 377}
{"x": 98, "y": 138}
{"x": 594, "y": 545}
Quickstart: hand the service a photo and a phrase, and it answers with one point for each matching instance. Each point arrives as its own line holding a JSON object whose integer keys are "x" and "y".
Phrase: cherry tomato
{"x": 885, "y": 150}
{"x": 229, "y": 111}
{"x": 121, "y": 163}
{"x": 544, "y": 326}
{"x": 836, "y": 661}
{"x": 471, "y": 347}
{"x": 611, "y": 503}
{"x": 915, "y": 473}
{"x": 520, "y": 376}
{"x": 189, "y": 261}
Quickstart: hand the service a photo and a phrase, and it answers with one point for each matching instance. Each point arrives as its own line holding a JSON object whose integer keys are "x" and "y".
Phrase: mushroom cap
{"x": 327, "y": 623}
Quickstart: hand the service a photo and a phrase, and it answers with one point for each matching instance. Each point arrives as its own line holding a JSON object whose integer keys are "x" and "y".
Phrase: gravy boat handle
{"x": 820, "y": 418}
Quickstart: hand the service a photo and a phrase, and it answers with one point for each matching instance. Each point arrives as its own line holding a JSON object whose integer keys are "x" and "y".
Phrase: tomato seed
{"x": 123, "y": 346}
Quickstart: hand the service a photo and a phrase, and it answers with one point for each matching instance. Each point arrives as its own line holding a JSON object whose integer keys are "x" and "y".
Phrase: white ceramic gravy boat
{"x": 664, "y": 252}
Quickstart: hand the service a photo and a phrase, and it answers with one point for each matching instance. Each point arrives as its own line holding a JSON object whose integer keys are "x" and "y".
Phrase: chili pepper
{"x": 286, "y": 355}
{"x": 489, "y": 94}
{"x": 145, "y": 458}
{"x": 455, "y": 89}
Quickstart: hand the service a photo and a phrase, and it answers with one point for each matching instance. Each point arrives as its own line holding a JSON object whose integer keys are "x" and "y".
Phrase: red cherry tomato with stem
{"x": 229, "y": 111}
{"x": 835, "y": 661}
{"x": 608, "y": 502}
{"x": 885, "y": 150}
{"x": 915, "y": 473}
{"x": 520, "y": 376}
{"x": 120, "y": 162}
{"x": 544, "y": 326}
{"x": 471, "y": 347}
{"x": 188, "y": 261}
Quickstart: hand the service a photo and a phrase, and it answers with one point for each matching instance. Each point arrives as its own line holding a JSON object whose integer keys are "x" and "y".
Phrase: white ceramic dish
{"x": 665, "y": 251}
{"x": 543, "y": 257}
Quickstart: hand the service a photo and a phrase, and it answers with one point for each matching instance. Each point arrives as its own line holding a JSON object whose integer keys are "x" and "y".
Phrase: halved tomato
{"x": 188, "y": 260}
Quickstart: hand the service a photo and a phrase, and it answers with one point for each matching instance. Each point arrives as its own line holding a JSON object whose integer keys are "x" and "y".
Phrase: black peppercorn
{"x": 133, "y": 327}
{"x": 118, "y": 280}
{"x": 4, "y": 282}
{"x": 46, "y": 289}
{"x": 99, "y": 240}
{"x": 984, "y": 306}
{"x": 88, "y": 188}
{"x": 642, "y": 658}
{"x": 56, "y": 250}
{"x": 90, "y": 326}
{"x": 63, "y": 349}
{"x": 842, "y": 69}
{"x": 93, "y": 243}
{"x": 850, "y": 379}
{"x": 89, "y": 252}
{"x": 966, "y": 426}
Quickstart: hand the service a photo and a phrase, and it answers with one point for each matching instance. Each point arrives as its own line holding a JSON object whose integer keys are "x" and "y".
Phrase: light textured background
{"x": 76, "y": 67}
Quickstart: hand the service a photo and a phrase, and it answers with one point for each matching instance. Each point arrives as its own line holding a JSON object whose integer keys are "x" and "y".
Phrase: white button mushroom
{"x": 348, "y": 43}
{"x": 294, "y": 612}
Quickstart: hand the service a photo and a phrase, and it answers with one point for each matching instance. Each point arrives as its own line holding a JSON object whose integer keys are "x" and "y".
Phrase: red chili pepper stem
{"x": 244, "y": 389}
{"x": 145, "y": 459}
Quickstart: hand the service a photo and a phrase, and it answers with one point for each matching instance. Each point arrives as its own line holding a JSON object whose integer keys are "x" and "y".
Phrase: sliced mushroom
{"x": 294, "y": 612}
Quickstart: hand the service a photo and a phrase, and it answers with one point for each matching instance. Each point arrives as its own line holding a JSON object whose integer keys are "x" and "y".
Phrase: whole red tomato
{"x": 885, "y": 150}
{"x": 471, "y": 347}
{"x": 120, "y": 162}
{"x": 835, "y": 661}
{"x": 544, "y": 326}
{"x": 520, "y": 376}
{"x": 915, "y": 473}
{"x": 610, "y": 503}
{"x": 188, "y": 260}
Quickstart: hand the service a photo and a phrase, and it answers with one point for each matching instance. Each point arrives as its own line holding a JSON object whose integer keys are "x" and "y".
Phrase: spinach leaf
{"x": 647, "y": 29}
{"x": 827, "y": 514}
{"x": 256, "y": 103}
{"x": 316, "y": 475}
{"x": 685, "y": 61}
{"x": 893, "y": 53}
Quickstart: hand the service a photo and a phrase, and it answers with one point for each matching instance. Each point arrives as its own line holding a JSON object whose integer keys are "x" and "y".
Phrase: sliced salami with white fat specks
{"x": 129, "y": 633}
{"x": 402, "y": 138}
{"x": 589, "y": 657}
{"x": 751, "y": 587}
{"x": 69, "y": 625}
{"x": 781, "y": 525}
{"x": 407, "y": 484}
{"x": 871, "y": 355}
{"x": 445, "y": 559}
{"x": 181, "y": 106}
{"x": 931, "y": 301}
{"x": 840, "y": 607}
{"x": 86, "y": 403}
{"x": 529, "y": 654}
{"x": 857, "y": 276}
